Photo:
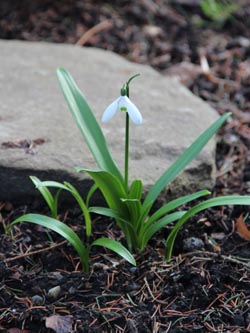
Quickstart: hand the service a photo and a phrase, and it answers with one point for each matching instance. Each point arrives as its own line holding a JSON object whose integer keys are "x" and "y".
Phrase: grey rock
{"x": 38, "y": 135}
{"x": 37, "y": 300}
{"x": 193, "y": 244}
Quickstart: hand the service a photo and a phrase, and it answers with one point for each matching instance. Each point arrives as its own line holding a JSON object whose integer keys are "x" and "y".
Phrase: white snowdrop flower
{"x": 123, "y": 103}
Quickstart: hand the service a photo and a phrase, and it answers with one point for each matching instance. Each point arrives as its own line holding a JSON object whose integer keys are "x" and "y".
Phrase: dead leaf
{"x": 216, "y": 247}
{"x": 60, "y": 324}
{"x": 242, "y": 229}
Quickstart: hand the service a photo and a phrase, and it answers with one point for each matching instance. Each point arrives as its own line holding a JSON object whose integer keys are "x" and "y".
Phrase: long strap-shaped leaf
{"x": 61, "y": 229}
{"x": 175, "y": 204}
{"x": 115, "y": 247}
{"x": 111, "y": 188}
{"x": 152, "y": 229}
{"x": 68, "y": 187}
{"x": 51, "y": 201}
{"x": 87, "y": 123}
{"x": 189, "y": 154}
{"x": 220, "y": 201}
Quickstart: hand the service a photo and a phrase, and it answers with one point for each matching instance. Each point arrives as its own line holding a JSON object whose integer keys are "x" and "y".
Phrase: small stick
{"x": 93, "y": 31}
{"x": 34, "y": 252}
{"x": 233, "y": 259}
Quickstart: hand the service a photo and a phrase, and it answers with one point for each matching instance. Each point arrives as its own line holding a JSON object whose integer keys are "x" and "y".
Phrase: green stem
{"x": 126, "y": 86}
{"x": 126, "y": 166}
{"x": 126, "y": 152}
{"x": 85, "y": 259}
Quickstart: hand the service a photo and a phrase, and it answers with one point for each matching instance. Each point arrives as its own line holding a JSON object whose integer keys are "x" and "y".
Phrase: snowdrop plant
{"x": 124, "y": 199}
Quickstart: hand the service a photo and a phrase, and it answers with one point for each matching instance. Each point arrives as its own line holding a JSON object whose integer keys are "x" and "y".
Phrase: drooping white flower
{"x": 123, "y": 103}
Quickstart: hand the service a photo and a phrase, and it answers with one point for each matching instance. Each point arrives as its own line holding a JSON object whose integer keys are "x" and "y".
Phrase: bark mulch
{"x": 206, "y": 285}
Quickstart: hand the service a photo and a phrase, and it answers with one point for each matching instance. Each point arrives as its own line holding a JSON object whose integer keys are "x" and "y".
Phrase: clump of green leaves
{"x": 125, "y": 204}
{"x": 62, "y": 229}
{"x": 218, "y": 11}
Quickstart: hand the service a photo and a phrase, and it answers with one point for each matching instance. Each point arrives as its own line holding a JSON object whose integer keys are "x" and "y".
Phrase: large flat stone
{"x": 33, "y": 113}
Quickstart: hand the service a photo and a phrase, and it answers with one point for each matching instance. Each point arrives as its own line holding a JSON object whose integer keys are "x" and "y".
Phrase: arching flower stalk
{"x": 123, "y": 103}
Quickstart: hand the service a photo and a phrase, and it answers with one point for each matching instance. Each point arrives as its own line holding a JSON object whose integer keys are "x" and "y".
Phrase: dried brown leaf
{"x": 60, "y": 324}
{"x": 242, "y": 229}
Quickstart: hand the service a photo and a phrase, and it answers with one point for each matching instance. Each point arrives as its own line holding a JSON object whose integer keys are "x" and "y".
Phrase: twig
{"x": 149, "y": 290}
{"x": 235, "y": 260}
{"x": 34, "y": 252}
{"x": 107, "y": 24}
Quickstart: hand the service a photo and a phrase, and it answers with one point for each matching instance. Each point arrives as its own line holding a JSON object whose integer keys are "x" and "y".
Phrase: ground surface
{"x": 203, "y": 289}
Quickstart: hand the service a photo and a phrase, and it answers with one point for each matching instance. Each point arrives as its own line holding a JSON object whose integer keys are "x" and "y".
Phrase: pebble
{"x": 133, "y": 270}
{"x": 54, "y": 292}
{"x": 72, "y": 290}
{"x": 193, "y": 244}
{"x": 37, "y": 300}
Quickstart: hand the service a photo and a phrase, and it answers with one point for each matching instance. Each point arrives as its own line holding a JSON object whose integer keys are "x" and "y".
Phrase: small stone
{"x": 193, "y": 244}
{"x": 54, "y": 292}
{"x": 152, "y": 31}
{"x": 37, "y": 300}
{"x": 72, "y": 290}
{"x": 58, "y": 276}
{"x": 133, "y": 270}
{"x": 27, "y": 240}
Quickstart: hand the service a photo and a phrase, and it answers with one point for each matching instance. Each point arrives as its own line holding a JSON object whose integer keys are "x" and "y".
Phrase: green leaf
{"x": 62, "y": 229}
{"x": 134, "y": 207}
{"x": 52, "y": 183}
{"x": 109, "y": 213}
{"x": 83, "y": 207}
{"x": 218, "y": 11}
{"x": 115, "y": 247}
{"x": 87, "y": 123}
{"x": 111, "y": 188}
{"x": 134, "y": 203}
{"x": 188, "y": 155}
{"x": 220, "y": 201}
{"x": 152, "y": 229}
{"x": 126, "y": 225}
{"x": 175, "y": 204}
{"x": 48, "y": 197}
{"x": 91, "y": 191}
{"x": 70, "y": 188}
{"x": 135, "y": 191}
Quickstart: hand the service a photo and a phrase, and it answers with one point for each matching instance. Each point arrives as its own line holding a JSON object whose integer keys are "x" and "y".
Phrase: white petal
{"x": 132, "y": 110}
{"x": 110, "y": 111}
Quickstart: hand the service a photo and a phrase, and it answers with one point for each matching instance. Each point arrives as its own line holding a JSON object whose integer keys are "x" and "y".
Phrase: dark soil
{"x": 206, "y": 286}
